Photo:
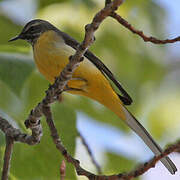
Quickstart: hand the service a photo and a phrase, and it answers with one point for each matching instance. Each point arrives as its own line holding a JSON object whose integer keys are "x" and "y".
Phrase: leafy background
{"x": 150, "y": 73}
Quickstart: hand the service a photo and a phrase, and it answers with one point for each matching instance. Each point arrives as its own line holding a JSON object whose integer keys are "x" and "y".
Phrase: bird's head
{"x": 32, "y": 30}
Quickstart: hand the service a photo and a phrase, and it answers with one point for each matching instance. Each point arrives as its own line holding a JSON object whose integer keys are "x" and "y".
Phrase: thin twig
{"x": 7, "y": 157}
{"x": 140, "y": 33}
{"x": 63, "y": 170}
{"x": 57, "y": 141}
{"x": 90, "y": 154}
{"x": 150, "y": 164}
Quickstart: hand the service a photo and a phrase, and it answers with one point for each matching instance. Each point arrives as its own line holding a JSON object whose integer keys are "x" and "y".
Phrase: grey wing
{"x": 125, "y": 97}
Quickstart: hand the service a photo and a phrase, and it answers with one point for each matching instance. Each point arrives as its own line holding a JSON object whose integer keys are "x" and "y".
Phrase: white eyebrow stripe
{"x": 35, "y": 24}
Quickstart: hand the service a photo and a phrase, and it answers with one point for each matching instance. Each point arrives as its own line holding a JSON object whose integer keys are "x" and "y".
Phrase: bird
{"x": 52, "y": 49}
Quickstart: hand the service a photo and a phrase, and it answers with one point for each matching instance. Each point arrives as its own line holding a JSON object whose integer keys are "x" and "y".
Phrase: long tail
{"x": 147, "y": 138}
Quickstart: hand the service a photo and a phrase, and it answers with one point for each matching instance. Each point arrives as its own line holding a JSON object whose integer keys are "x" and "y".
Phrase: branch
{"x": 90, "y": 153}
{"x": 12, "y": 134}
{"x": 7, "y": 157}
{"x": 140, "y": 33}
{"x": 16, "y": 134}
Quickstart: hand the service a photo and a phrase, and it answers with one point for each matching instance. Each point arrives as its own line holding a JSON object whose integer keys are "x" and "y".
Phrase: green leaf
{"x": 14, "y": 70}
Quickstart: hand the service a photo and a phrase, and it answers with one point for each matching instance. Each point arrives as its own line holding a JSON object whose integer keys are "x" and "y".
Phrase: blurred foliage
{"x": 116, "y": 163}
{"x": 139, "y": 66}
{"x": 88, "y": 3}
{"x": 44, "y": 3}
{"x": 14, "y": 49}
{"x": 20, "y": 67}
{"x": 8, "y": 30}
{"x": 162, "y": 117}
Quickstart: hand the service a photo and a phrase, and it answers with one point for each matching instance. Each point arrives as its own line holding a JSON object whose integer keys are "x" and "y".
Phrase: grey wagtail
{"x": 52, "y": 49}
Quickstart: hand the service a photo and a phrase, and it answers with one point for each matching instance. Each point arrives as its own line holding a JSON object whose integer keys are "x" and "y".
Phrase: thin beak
{"x": 15, "y": 38}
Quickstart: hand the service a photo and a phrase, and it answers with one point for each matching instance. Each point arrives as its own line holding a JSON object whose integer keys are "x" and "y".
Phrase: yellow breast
{"x": 49, "y": 58}
{"x": 51, "y": 55}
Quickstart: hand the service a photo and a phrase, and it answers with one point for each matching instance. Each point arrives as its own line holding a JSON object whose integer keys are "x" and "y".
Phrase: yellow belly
{"x": 51, "y": 56}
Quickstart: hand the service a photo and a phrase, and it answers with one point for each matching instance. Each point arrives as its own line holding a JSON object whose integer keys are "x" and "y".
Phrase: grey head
{"x": 32, "y": 30}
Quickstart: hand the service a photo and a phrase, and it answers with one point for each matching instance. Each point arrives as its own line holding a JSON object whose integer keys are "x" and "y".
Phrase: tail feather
{"x": 148, "y": 140}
